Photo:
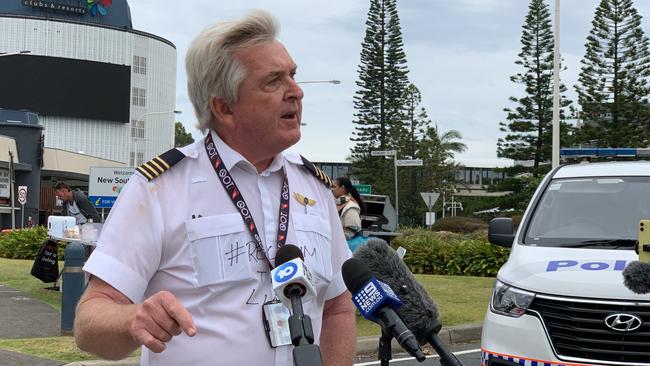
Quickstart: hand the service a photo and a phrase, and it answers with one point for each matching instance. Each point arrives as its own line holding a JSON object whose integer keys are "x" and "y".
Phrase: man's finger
{"x": 149, "y": 341}
{"x": 178, "y": 312}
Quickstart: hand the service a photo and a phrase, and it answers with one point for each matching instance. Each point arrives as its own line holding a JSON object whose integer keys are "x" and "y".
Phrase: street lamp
{"x": 335, "y": 82}
{"x": 23, "y": 52}
{"x": 141, "y": 119}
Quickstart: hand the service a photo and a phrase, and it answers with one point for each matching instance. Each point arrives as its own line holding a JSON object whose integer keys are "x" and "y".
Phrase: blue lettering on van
{"x": 554, "y": 266}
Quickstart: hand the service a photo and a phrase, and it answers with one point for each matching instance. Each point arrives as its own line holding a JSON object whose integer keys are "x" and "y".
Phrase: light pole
{"x": 141, "y": 118}
{"x": 555, "y": 146}
{"x": 23, "y": 52}
{"x": 335, "y": 82}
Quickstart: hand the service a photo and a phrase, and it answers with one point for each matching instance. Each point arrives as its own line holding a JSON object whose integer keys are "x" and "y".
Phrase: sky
{"x": 460, "y": 54}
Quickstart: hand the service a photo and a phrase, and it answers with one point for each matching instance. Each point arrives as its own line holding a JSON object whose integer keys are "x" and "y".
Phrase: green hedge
{"x": 459, "y": 224}
{"x": 22, "y": 244}
{"x": 451, "y": 254}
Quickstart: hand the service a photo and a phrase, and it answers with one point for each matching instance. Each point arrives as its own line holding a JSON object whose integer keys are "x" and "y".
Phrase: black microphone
{"x": 636, "y": 277}
{"x": 375, "y": 302}
{"x": 419, "y": 312}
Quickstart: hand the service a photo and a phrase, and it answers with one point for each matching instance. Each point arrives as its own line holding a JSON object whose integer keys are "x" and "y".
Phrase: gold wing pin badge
{"x": 305, "y": 201}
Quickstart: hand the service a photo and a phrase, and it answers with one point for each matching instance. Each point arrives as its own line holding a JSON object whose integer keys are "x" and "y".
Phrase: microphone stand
{"x": 384, "y": 351}
{"x": 305, "y": 353}
{"x": 446, "y": 357}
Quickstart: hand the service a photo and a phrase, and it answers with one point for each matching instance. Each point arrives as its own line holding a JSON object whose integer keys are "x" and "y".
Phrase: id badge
{"x": 276, "y": 323}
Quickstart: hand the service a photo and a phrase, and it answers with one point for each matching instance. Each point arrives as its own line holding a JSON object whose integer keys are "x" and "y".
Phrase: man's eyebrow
{"x": 277, "y": 73}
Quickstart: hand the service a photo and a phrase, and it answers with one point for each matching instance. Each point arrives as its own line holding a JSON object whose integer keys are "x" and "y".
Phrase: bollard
{"x": 73, "y": 284}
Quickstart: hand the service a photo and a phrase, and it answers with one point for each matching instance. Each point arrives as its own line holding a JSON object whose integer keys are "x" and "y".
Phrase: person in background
{"x": 349, "y": 205}
{"x": 182, "y": 265}
{"x": 76, "y": 204}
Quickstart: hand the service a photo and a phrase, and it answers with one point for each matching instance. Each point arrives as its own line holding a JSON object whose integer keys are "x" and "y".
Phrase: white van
{"x": 560, "y": 297}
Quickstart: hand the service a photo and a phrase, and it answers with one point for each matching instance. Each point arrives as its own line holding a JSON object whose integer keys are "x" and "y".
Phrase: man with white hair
{"x": 182, "y": 265}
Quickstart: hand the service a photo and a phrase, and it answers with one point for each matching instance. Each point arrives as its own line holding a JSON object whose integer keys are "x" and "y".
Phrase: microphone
{"x": 375, "y": 301}
{"x": 293, "y": 284}
{"x": 419, "y": 312}
{"x": 291, "y": 275}
{"x": 636, "y": 277}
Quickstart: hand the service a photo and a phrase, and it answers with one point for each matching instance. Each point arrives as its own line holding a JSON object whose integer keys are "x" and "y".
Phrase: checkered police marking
{"x": 487, "y": 355}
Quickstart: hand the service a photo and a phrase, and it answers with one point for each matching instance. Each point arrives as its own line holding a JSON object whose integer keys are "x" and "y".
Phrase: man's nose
{"x": 295, "y": 91}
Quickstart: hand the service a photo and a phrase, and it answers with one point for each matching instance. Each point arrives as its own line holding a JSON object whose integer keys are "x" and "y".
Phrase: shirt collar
{"x": 230, "y": 157}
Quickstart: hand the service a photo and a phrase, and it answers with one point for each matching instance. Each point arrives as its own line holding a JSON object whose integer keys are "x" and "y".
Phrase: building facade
{"x": 99, "y": 86}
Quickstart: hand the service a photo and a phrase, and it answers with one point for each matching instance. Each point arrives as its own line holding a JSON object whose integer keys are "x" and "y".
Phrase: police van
{"x": 560, "y": 297}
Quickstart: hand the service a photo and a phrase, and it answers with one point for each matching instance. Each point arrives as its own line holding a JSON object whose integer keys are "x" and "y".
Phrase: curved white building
{"x": 99, "y": 86}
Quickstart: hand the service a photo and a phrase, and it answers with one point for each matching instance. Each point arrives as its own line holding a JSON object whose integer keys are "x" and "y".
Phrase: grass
{"x": 16, "y": 273}
{"x": 460, "y": 300}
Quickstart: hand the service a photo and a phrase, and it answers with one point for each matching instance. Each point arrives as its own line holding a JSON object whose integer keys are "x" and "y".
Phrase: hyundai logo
{"x": 623, "y": 322}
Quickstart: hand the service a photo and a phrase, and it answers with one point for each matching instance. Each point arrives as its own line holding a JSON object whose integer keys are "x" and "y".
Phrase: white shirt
{"x": 150, "y": 242}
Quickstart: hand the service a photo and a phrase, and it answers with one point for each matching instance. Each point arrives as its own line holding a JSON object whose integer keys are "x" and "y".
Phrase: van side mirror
{"x": 500, "y": 232}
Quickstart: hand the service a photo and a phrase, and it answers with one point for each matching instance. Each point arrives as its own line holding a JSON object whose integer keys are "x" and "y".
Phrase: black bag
{"x": 46, "y": 264}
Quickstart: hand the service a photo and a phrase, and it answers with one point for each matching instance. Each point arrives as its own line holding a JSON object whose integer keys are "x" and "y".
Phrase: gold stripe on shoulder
{"x": 160, "y": 164}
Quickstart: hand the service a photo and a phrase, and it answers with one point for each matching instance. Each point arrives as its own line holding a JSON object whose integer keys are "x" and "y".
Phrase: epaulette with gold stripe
{"x": 321, "y": 175}
{"x": 161, "y": 163}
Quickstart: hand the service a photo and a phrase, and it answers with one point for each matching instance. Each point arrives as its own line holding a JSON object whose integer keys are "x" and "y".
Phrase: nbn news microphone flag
{"x": 373, "y": 296}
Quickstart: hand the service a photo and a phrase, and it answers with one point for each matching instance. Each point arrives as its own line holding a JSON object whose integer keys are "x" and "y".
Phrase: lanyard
{"x": 238, "y": 200}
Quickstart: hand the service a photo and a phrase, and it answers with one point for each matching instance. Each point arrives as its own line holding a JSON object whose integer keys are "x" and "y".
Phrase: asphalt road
{"x": 467, "y": 354}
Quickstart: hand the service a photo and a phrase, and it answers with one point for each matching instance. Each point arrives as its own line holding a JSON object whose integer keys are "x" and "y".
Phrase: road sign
{"x": 22, "y": 195}
{"x": 430, "y": 198}
{"x": 363, "y": 188}
{"x": 430, "y": 218}
{"x": 105, "y": 184}
{"x": 382, "y": 153}
{"x": 409, "y": 162}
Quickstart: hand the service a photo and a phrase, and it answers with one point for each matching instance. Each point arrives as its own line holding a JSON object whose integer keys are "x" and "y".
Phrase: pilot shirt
{"x": 180, "y": 232}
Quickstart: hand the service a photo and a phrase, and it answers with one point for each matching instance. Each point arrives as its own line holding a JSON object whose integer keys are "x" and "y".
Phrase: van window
{"x": 578, "y": 210}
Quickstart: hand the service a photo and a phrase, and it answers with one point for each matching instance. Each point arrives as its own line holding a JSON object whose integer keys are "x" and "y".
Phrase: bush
{"x": 451, "y": 254}
{"x": 458, "y": 224}
{"x": 22, "y": 244}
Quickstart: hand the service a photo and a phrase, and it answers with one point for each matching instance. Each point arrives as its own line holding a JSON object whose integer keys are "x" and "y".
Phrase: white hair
{"x": 211, "y": 68}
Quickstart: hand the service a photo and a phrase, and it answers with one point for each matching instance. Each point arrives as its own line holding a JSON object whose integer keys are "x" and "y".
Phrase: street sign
{"x": 363, "y": 188}
{"x": 22, "y": 195}
{"x": 430, "y": 218}
{"x": 105, "y": 184}
{"x": 409, "y": 162}
{"x": 430, "y": 198}
{"x": 382, "y": 153}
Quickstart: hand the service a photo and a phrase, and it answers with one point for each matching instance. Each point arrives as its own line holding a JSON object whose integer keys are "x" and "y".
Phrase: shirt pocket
{"x": 220, "y": 249}
{"x": 313, "y": 235}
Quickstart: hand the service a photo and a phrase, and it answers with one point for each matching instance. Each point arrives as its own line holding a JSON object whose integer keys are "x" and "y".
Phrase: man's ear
{"x": 221, "y": 112}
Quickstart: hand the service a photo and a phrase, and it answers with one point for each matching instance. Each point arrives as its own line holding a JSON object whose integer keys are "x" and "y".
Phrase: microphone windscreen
{"x": 355, "y": 274}
{"x": 636, "y": 277}
{"x": 286, "y": 253}
{"x": 418, "y": 311}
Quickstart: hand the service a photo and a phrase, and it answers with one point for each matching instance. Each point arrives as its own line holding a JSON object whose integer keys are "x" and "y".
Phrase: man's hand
{"x": 109, "y": 325}
{"x": 160, "y": 318}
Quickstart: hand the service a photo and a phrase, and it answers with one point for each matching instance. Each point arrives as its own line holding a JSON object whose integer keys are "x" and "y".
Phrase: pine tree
{"x": 412, "y": 179}
{"x": 529, "y": 123}
{"x": 612, "y": 86}
{"x": 379, "y": 117}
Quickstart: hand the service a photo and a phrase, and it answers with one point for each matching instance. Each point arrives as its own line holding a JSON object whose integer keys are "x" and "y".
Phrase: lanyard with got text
{"x": 238, "y": 200}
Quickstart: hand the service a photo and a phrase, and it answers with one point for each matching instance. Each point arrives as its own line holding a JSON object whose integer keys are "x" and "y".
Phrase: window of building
{"x": 138, "y": 161}
{"x": 137, "y": 129}
{"x": 140, "y": 65}
{"x": 139, "y": 97}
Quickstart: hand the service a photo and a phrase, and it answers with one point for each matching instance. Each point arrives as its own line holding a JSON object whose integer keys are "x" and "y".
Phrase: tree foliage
{"x": 181, "y": 137}
{"x": 529, "y": 123}
{"x": 379, "y": 117}
{"x": 612, "y": 85}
